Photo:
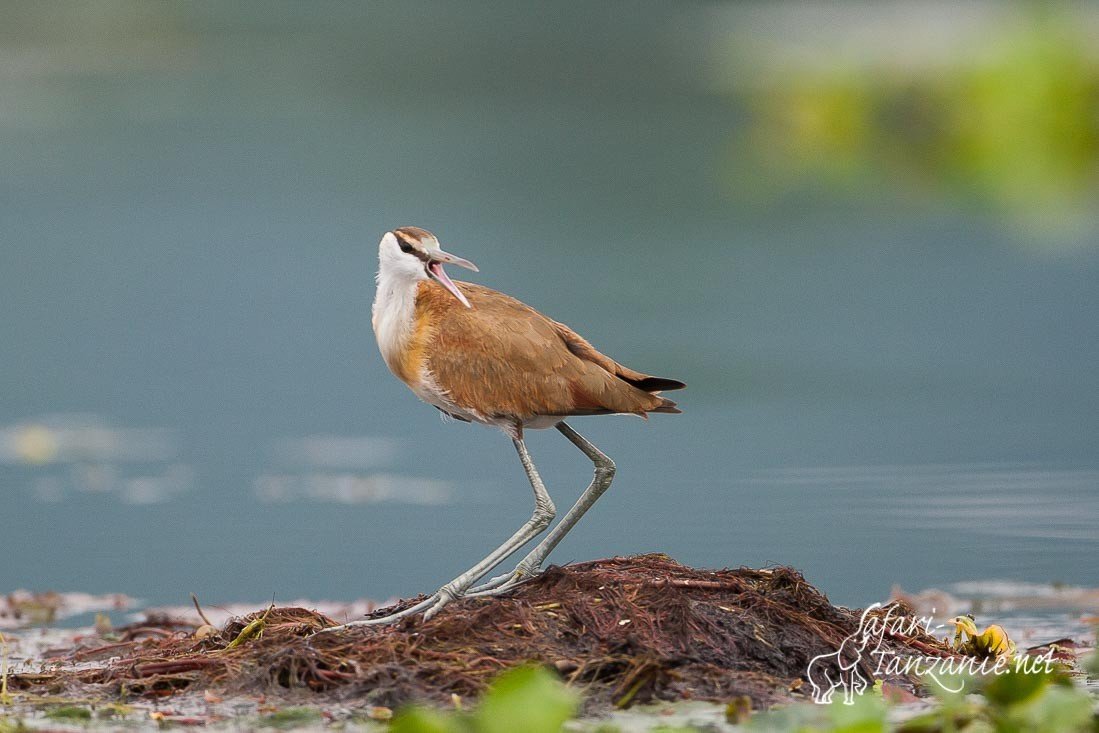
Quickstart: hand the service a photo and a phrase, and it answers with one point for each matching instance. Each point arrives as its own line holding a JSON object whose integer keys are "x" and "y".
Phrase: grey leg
{"x": 544, "y": 512}
{"x": 529, "y": 565}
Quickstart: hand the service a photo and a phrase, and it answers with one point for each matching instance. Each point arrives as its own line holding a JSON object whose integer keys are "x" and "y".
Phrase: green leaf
{"x": 867, "y": 715}
{"x": 949, "y": 688}
{"x": 528, "y": 699}
{"x": 293, "y": 717}
{"x": 69, "y": 712}
{"x": 424, "y": 720}
{"x": 1015, "y": 687}
{"x": 1062, "y": 709}
{"x": 1093, "y": 663}
{"x": 944, "y": 718}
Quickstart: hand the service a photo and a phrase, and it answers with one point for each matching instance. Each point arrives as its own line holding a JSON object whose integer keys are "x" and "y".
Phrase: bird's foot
{"x": 503, "y": 583}
{"x": 384, "y": 620}
{"x": 443, "y": 596}
{"x": 430, "y": 606}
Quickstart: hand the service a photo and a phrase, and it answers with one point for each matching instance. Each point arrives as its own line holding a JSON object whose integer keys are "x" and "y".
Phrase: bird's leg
{"x": 529, "y": 565}
{"x": 544, "y": 512}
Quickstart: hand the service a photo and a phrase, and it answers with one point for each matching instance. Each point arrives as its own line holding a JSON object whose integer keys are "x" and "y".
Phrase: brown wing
{"x": 504, "y": 359}
{"x": 578, "y": 345}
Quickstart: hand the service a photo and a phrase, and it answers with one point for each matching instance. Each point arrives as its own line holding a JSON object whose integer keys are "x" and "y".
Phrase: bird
{"x": 481, "y": 356}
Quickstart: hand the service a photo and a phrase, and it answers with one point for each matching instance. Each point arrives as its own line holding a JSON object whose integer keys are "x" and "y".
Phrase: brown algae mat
{"x": 623, "y": 630}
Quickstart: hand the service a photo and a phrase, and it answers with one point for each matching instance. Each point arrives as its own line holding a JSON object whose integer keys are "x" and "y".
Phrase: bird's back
{"x": 500, "y": 360}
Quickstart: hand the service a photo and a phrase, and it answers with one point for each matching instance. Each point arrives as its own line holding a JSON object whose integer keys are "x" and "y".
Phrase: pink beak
{"x": 436, "y": 271}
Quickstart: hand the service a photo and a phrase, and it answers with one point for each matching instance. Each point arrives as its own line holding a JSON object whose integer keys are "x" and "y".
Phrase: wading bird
{"x": 482, "y": 356}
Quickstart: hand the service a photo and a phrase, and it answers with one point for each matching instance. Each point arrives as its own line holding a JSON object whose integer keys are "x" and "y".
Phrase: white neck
{"x": 394, "y": 312}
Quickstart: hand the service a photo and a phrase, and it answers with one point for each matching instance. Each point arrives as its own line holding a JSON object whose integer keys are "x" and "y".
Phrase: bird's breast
{"x": 402, "y": 330}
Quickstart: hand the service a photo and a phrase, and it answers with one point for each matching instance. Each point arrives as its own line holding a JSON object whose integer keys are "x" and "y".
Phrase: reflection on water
{"x": 349, "y": 488}
{"x": 314, "y": 468}
{"x": 1010, "y": 501}
{"x": 66, "y": 454}
{"x": 76, "y": 438}
{"x": 922, "y": 526}
{"x": 335, "y": 451}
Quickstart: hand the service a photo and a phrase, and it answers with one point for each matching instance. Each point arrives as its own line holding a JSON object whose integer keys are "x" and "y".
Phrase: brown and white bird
{"x": 482, "y": 356}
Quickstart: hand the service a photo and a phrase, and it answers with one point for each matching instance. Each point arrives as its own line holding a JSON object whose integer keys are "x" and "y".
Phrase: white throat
{"x": 394, "y": 312}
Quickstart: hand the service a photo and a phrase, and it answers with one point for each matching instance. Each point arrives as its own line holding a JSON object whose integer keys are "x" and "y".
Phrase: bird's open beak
{"x": 453, "y": 260}
{"x": 438, "y": 274}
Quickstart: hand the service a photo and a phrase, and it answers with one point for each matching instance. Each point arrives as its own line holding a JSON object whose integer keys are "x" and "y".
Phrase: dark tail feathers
{"x": 656, "y": 384}
{"x": 666, "y": 405}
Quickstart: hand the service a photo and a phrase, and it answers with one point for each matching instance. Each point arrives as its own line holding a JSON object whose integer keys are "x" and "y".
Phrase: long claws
{"x": 444, "y": 596}
{"x": 501, "y": 583}
{"x": 483, "y": 591}
{"x": 383, "y": 620}
{"x": 521, "y": 572}
{"x": 430, "y": 613}
{"x": 491, "y": 584}
{"x": 435, "y": 603}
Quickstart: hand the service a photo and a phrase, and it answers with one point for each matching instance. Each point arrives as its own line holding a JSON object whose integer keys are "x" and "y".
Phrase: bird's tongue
{"x": 444, "y": 280}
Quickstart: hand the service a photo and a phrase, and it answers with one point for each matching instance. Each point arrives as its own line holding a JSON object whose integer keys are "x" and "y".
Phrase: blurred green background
{"x": 864, "y": 234}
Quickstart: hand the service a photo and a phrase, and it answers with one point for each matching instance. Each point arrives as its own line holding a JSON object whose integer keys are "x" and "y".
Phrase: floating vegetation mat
{"x": 623, "y": 631}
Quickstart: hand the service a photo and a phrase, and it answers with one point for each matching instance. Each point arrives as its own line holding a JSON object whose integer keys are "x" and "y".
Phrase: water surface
{"x": 882, "y": 390}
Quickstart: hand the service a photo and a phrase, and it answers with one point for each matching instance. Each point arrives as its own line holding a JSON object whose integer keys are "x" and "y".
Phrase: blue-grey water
{"x": 882, "y": 389}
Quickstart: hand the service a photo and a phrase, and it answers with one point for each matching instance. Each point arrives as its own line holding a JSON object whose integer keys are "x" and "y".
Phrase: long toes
{"x": 501, "y": 583}
{"x": 503, "y": 588}
{"x": 490, "y": 584}
{"x": 384, "y": 620}
{"x": 510, "y": 582}
{"x": 442, "y": 600}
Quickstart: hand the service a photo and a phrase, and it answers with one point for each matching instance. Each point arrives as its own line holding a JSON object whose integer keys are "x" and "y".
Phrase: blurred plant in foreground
{"x": 529, "y": 699}
{"x": 1008, "y": 123}
{"x": 534, "y": 700}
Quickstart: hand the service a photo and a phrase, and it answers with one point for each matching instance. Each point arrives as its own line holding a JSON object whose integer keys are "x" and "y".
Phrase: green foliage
{"x": 290, "y": 717}
{"x": 1044, "y": 703}
{"x": 867, "y": 715}
{"x": 1092, "y": 666}
{"x": 11, "y": 724}
{"x": 1015, "y": 701}
{"x": 425, "y": 720}
{"x": 5, "y": 698}
{"x": 528, "y": 699}
{"x": 531, "y": 699}
{"x": 69, "y": 712}
{"x": 1009, "y": 126}
{"x": 1057, "y": 709}
{"x": 1014, "y": 687}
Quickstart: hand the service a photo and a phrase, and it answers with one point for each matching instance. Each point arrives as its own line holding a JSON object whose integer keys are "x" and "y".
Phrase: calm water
{"x": 882, "y": 390}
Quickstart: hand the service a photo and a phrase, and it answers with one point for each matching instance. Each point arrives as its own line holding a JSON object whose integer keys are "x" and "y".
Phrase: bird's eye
{"x": 405, "y": 246}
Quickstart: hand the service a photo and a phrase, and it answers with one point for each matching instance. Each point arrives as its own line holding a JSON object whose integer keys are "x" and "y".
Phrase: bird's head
{"x": 414, "y": 253}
